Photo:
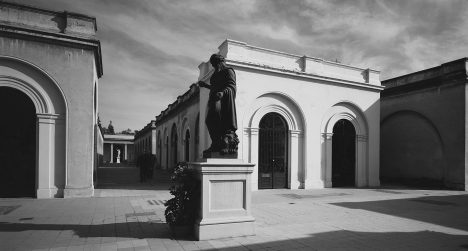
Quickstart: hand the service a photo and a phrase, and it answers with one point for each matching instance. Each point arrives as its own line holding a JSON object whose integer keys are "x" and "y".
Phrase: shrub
{"x": 183, "y": 208}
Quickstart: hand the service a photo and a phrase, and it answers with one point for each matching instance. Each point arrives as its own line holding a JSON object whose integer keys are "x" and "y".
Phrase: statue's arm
{"x": 203, "y": 84}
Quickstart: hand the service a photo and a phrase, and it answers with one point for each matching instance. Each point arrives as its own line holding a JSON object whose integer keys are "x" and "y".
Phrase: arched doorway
{"x": 174, "y": 139}
{"x": 17, "y": 144}
{"x": 187, "y": 145}
{"x": 343, "y": 154}
{"x": 273, "y": 152}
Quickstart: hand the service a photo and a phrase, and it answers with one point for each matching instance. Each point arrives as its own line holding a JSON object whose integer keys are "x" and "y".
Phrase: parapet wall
{"x": 241, "y": 53}
{"x": 46, "y": 20}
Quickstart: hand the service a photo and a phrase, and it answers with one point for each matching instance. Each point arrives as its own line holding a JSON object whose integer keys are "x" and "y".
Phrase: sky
{"x": 151, "y": 49}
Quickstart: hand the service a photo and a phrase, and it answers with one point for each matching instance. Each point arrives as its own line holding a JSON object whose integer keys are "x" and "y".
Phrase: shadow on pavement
{"x": 128, "y": 178}
{"x": 351, "y": 240}
{"x": 138, "y": 230}
{"x": 448, "y": 211}
{"x": 335, "y": 240}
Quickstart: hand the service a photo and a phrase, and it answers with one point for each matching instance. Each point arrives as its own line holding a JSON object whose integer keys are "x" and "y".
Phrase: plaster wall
{"x": 312, "y": 95}
{"x": 74, "y": 70}
{"x": 184, "y": 119}
{"x": 312, "y": 100}
{"x": 146, "y": 142}
{"x": 424, "y": 135}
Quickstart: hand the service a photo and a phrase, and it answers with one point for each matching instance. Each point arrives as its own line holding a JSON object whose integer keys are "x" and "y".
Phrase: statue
{"x": 221, "y": 118}
{"x": 118, "y": 155}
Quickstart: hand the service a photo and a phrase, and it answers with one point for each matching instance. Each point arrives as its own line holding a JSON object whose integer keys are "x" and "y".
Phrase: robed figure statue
{"x": 221, "y": 119}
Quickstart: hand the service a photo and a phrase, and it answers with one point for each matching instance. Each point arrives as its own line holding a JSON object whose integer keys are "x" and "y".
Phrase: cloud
{"x": 151, "y": 49}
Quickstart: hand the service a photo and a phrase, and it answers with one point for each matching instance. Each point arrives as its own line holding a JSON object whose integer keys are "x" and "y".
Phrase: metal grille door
{"x": 272, "y": 152}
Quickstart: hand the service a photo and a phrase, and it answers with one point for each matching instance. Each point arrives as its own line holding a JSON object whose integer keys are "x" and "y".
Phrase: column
{"x": 112, "y": 153}
{"x": 254, "y": 156}
{"x": 125, "y": 158}
{"x": 327, "y": 157}
{"x": 294, "y": 172}
{"x": 45, "y": 154}
{"x": 362, "y": 168}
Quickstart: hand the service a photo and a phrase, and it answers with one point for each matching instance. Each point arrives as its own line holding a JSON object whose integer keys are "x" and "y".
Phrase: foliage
{"x": 127, "y": 132}
{"x": 183, "y": 208}
{"x": 110, "y": 128}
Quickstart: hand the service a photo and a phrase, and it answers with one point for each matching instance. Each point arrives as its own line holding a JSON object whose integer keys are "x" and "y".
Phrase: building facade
{"x": 304, "y": 122}
{"x": 177, "y": 130}
{"x": 118, "y": 149}
{"x": 50, "y": 63}
{"x": 424, "y": 123}
{"x": 145, "y": 140}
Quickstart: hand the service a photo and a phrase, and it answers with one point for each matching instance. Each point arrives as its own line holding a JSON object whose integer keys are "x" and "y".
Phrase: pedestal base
{"x": 225, "y": 228}
{"x": 78, "y": 192}
{"x": 225, "y": 199}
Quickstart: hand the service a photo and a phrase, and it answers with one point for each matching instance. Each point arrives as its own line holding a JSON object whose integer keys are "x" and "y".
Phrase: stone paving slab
{"x": 320, "y": 219}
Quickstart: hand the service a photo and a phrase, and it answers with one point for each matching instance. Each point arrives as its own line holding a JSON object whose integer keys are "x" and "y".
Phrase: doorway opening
{"x": 273, "y": 152}
{"x": 343, "y": 154}
{"x": 17, "y": 144}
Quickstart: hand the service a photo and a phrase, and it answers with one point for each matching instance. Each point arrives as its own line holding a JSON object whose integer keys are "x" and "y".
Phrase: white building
{"x": 115, "y": 143}
{"x": 304, "y": 122}
{"x": 50, "y": 63}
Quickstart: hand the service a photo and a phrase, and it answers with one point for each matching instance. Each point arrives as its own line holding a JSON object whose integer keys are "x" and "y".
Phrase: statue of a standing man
{"x": 221, "y": 118}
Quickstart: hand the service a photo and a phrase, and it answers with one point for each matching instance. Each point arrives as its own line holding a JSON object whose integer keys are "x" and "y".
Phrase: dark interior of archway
{"x": 343, "y": 154}
{"x": 17, "y": 144}
{"x": 272, "y": 152}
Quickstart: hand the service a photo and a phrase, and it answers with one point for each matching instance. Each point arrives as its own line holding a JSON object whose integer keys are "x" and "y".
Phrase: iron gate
{"x": 272, "y": 152}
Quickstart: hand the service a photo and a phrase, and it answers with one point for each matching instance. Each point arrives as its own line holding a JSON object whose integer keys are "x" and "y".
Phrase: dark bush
{"x": 183, "y": 208}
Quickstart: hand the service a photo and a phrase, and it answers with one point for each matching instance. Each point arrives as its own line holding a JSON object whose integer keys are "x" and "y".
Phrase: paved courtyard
{"x": 322, "y": 219}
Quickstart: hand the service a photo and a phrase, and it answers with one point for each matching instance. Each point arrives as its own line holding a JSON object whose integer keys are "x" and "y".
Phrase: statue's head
{"x": 216, "y": 60}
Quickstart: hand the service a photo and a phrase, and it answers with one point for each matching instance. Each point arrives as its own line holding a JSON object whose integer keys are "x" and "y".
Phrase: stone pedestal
{"x": 225, "y": 199}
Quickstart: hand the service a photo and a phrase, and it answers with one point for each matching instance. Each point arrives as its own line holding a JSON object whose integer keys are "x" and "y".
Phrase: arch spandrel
{"x": 348, "y": 111}
{"x": 44, "y": 91}
{"x": 279, "y": 103}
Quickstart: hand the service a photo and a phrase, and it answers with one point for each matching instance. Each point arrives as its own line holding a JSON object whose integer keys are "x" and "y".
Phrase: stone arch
{"x": 352, "y": 113}
{"x": 197, "y": 136}
{"x": 279, "y": 103}
{"x": 51, "y": 111}
{"x": 291, "y": 112}
{"x": 411, "y": 147}
{"x": 159, "y": 148}
{"x": 184, "y": 129}
{"x": 174, "y": 145}
{"x": 166, "y": 149}
{"x": 348, "y": 111}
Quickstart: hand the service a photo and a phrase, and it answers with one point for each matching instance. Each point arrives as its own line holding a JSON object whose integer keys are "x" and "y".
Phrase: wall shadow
{"x": 448, "y": 211}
